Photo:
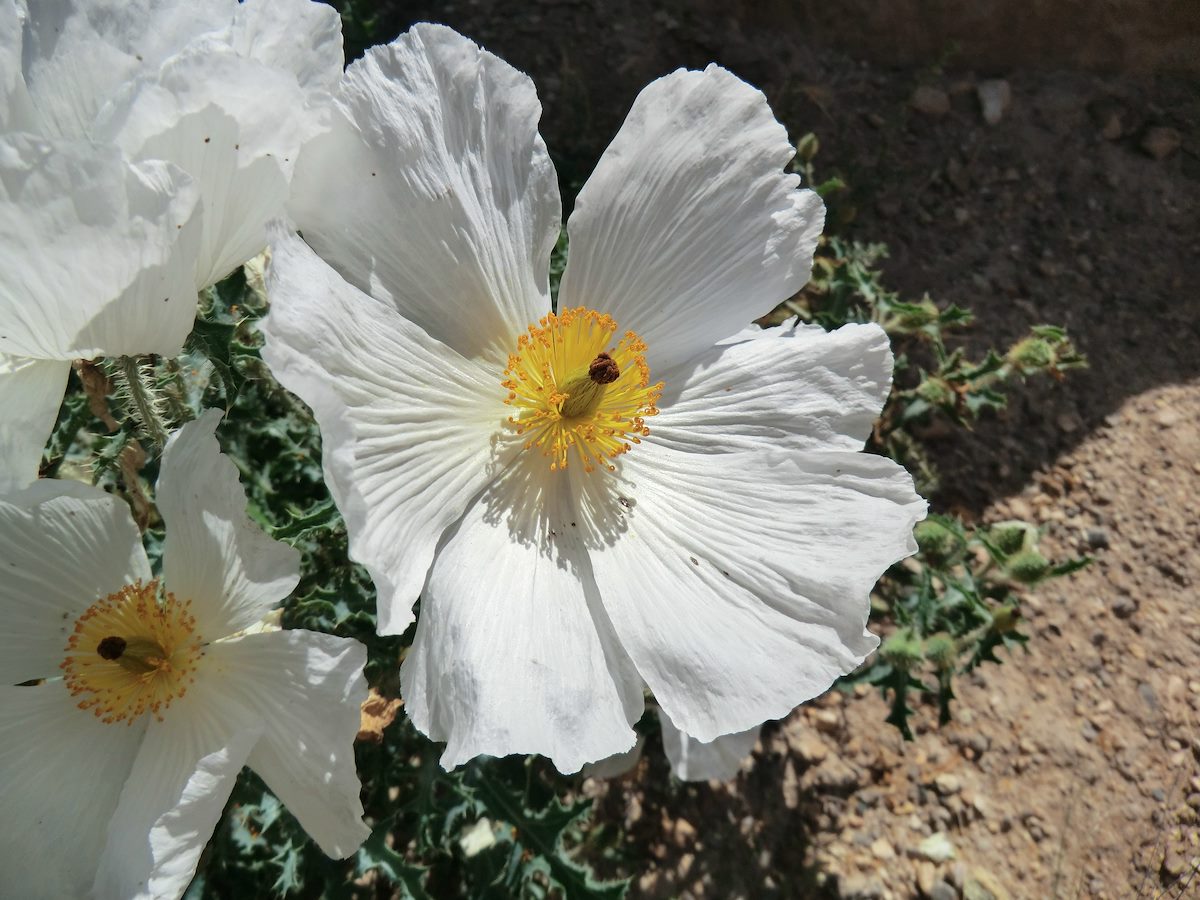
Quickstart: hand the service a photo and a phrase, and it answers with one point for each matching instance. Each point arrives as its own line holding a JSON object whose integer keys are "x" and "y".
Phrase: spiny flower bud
{"x": 1027, "y": 567}
{"x": 902, "y": 650}
{"x": 941, "y": 545}
{"x": 1005, "y": 619}
{"x": 1012, "y": 536}
{"x": 1031, "y": 353}
{"x": 917, "y": 315}
{"x": 936, "y": 391}
{"x": 941, "y": 650}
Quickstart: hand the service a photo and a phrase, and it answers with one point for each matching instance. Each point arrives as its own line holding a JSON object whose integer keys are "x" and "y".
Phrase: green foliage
{"x": 954, "y": 604}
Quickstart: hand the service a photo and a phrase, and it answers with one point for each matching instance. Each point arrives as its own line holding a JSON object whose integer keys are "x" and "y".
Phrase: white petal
{"x": 16, "y": 114}
{"x": 63, "y": 545}
{"x": 719, "y": 759}
{"x": 306, "y": 689}
{"x": 240, "y": 193}
{"x": 99, "y": 253}
{"x": 299, "y": 37}
{"x": 31, "y": 391}
{"x": 79, "y": 52}
{"x": 434, "y": 191}
{"x": 61, "y": 772}
{"x": 689, "y": 228}
{"x": 513, "y": 652}
{"x": 794, "y": 386}
{"x": 183, "y": 774}
{"x": 740, "y": 583}
{"x": 214, "y": 555}
{"x": 406, "y": 422}
{"x": 274, "y": 115}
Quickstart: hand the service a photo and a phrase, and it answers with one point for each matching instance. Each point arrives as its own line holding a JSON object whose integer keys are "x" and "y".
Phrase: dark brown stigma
{"x": 111, "y": 647}
{"x": 604, "y": 369}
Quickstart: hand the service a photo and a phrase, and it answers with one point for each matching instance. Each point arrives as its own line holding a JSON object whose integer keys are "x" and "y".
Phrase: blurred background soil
{"x": 1034, "y": 167}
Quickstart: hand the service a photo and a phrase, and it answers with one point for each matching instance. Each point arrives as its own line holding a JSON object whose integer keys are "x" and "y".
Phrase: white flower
{"x": 116, "y": 764}
{"x": 725, "y": 560}
{"x": 212, "y": 100}
{"x": 227, "y": 91}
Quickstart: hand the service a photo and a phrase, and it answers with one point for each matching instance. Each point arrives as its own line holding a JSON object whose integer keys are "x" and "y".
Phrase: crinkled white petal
{"x": 719, "y": 759}
{"x": 689, "y": 227}
{"x": 78, "y": 53}
{"x": 513, "y": 652}
{"x": 739, "y": 585}
{"x": 433, "y": 190}
{"x": 63, "y": 545}
{"x": 16, "y": 114}
{"x": 406, "y": 422}
{"x": 182, "y": 776}
{"x": 214, "y": 556}
{"x": 61, "y": 772}
{"x": 300, "y": 37}
{"x": 273, "y": 114}
{"x": 99, "y": 252}
{"x": 792, "y": 386}
{"x": 306, "y": 689}
{"x": 31, "y": 391}
{"x": 240, "y": 192}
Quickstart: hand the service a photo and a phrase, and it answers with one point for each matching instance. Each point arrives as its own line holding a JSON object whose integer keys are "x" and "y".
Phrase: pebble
{"x": 926, "y": 878}
{"x": 1161, "y": 142}
{"x": 882, "y": 849}
{"x": 983, "y": 885}
{"x": 808, "y": 747}
{"x": 947, "y": 784}
{"x": 930, "y": 101}
{"x": 995, "y": 98}
{"x": 1124, "y": 607}
{"x": 943, "y": 891}
{"x": 859, "y": 886}
{"x": 935, "y": 848}
{"x": 1097, "y": 538}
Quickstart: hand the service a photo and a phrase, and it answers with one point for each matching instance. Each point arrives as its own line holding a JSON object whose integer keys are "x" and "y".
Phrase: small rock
{"x": 926, "y": 877}
{"x": 1160, "y": 142}
{"x": 808, "y": 746}
{"x": 995, "y": 98}
{"x": 1097, "y": 538}
{"x": 935, "y": 848}
{"x": 882, "y": 849}
{"x": 1124, "y": 607}
{"x": 684, "y": 833}
{"x": 832, "y": 775}
{"x": 860, "y": 886}
{"x": 943, "y": 891}
{"x": 1174, "y": 865}
{"x": 983, "y": 885}
{"x": 947, "y": 784}
{"x": 930, "y": 101}
{"x": 1167, "y": 418}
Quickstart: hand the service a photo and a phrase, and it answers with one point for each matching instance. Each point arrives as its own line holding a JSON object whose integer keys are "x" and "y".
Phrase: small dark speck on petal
{"x": 695, "y": 562}
{"x": 237, "y": 146}
{"x": 572, "y": 524}
{"x": 728, "y": 389}
{"x": 166, "y": 299}
{"x": 207, "y": 139}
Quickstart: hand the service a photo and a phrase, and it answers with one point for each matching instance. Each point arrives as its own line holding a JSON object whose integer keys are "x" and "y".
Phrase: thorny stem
{"x": 141, "y": 399}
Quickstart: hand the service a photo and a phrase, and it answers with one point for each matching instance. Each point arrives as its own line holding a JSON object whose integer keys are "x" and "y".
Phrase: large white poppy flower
{"x": 502, "y": 462}
{"x": 116, "y": 764}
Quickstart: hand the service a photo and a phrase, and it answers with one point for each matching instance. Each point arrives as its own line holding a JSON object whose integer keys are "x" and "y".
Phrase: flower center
{"x": 131, "y": 653}
{"x": 573, "y": 389}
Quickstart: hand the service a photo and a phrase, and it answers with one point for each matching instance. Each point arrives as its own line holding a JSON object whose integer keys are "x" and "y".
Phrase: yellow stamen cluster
{"x": 132, "y": 652}
{"x": 573, "y": 389}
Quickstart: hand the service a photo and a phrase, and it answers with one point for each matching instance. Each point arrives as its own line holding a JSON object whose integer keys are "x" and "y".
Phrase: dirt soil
{"x": 1071, "y": 771}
